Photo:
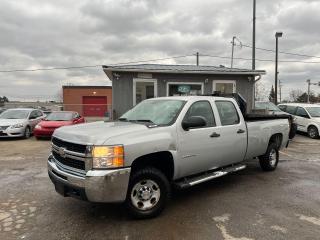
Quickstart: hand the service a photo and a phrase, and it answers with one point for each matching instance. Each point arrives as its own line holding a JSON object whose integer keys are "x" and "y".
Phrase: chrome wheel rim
{"x": 312, "y": 132}
{"x": 27, "y": 134}
{"x": 273, "y": 157}
{"x": 145, "y": 194}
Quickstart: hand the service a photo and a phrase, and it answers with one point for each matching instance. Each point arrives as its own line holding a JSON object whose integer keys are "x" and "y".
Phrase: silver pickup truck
{"x": 159, "y": 144}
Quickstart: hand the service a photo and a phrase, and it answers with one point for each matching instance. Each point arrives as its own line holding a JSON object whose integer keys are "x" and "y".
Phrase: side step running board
{"x": 191, "y": 181}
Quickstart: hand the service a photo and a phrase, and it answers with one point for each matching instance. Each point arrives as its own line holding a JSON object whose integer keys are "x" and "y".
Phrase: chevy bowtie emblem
{"x": 62, "y": 151}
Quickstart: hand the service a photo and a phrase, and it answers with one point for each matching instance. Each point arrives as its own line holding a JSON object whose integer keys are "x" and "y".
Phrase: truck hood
{"x": 9, "y": 122}
{"x": 96, "y": 133}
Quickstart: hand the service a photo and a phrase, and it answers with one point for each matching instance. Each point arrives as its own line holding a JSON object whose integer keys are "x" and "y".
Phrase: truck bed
{"x": 253, "y": 117}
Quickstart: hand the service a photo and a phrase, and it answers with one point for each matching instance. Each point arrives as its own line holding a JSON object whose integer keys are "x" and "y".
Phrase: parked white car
{"x": 19, "y": 122}
{"x": 308, "y": 117}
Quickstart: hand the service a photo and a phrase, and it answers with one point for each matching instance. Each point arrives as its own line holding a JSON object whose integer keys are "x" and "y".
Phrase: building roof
{"x": 193, "y": 69}
{"x": 85, "y": 86}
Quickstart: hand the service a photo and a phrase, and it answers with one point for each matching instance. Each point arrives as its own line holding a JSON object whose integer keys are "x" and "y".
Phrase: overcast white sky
{"x": 40, "y": 34}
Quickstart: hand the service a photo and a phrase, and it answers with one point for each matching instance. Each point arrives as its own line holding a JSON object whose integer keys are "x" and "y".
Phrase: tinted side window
{"x": 39, "y": 113}
{"x": 202, "y": 109}
{"x": 291, "y": 109}
{"x": 282, "y": 107}
{"x": 228, "y": 113}
{"x": 301, "y": 112}
{"x": 33, "y": 115}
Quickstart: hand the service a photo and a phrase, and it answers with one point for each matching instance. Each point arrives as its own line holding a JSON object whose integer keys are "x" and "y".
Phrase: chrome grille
{"x": 74, "y": 147}
{"x": 70, "y": 157}
{"x": 4, "y": 127}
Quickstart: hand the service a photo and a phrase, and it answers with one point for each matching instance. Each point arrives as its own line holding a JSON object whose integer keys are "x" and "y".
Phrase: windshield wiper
{"x": 144, "y": 120}
{"x": 123, "y": 119}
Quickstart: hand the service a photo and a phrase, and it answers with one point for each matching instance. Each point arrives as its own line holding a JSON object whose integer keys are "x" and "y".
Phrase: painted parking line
{"x": 285, "y": 154}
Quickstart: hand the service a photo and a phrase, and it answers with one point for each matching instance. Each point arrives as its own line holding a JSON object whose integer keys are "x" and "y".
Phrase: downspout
{"x": 254, "y": 90}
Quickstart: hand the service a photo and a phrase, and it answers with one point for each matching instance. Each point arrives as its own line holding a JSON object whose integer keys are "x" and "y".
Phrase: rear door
{"x": 233, "y": 133}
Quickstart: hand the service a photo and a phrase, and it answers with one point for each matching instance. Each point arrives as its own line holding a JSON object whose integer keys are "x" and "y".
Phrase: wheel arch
{"x": 162, "y": 160}
{"x": 277, "y": 139}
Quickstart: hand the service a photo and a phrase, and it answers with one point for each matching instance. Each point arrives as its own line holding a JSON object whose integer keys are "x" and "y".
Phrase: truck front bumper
{"x": 95, "y": 186}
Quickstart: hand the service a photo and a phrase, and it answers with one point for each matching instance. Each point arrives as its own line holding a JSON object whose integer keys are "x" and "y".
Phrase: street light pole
{"x": 309, "y": 83}
{"x": 277, "y": 35}
{"x": 254, "y": 36}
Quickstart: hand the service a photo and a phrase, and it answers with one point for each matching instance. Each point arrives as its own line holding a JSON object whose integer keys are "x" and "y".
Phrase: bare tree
{"x": 295, "y": 94}
{"x": 261, "y": 93}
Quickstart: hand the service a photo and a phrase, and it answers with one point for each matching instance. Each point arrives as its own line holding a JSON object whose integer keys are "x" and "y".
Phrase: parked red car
{"x": 55, "y": 120}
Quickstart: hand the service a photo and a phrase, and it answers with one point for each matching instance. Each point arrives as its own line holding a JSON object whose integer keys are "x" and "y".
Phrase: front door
{"x": 302, "y": 119}
{"x": 198, "y": 150}
{"x": 144, "y": 89}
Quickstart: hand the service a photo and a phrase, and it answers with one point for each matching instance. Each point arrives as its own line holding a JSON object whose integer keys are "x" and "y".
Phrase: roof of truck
{"x": 187, "y": 98}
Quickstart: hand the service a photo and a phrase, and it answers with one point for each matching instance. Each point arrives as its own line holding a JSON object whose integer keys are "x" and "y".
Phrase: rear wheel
{"x": 148, "y": 193}
{"x": 269, "y": 161}
{"x": 27, "y": 132}
{"x": 313, "y": 132}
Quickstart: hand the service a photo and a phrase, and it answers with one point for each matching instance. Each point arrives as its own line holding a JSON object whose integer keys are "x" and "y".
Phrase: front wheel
{"x": 148, "y": 193}
{"x": 269, "y": 161}
{"x": 313, "y": 132}
{"x": 27, "y": 133}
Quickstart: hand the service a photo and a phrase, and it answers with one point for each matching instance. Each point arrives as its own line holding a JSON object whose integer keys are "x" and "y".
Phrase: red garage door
{"x": 94, "y": 106}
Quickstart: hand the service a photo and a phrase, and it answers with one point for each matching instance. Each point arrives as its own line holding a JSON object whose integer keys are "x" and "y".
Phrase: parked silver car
{"x": 19, "y": 122}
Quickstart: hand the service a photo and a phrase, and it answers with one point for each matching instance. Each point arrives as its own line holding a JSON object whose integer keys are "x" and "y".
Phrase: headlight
{"x": 18, "y": 125}
{"x": 108, "y": 156}
{"x": 37, "y": 127}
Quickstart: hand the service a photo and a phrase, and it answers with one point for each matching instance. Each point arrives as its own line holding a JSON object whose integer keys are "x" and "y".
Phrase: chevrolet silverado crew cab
{"x": 159, "y": 144}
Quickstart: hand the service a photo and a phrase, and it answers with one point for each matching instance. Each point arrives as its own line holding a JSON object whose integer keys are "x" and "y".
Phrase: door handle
{"x": 214, "y": 134}
{"x": 241, "y": 131}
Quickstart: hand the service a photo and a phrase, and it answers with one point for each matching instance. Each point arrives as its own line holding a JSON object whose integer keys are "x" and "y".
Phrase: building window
{"x": 224, "y": 86}
{"x": 184, "y": 89}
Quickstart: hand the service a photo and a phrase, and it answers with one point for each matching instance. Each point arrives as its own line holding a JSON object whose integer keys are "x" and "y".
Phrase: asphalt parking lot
{"x": 251, "y": 204}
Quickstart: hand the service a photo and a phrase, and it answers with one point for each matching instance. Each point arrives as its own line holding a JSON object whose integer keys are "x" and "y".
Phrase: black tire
{"x": 313, "y": 132}
{"x": 27, "y": 132}
{"x": 269, "y": 161}
{"x": 147, "y": 179}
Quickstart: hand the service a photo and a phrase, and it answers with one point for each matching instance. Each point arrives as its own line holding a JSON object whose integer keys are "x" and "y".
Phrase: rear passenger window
{"x": 228, "y": 113}
{"x": 202, "y": 109}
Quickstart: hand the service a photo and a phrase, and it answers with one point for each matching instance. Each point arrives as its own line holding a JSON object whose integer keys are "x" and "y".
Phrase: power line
{"x": 261, "y": 60}
{"x": 91, "y": 66}
{"x": 287, "y": 53}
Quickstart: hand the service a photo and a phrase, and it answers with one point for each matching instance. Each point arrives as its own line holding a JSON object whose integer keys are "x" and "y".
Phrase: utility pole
{"x": 232, "y": 42}
{"x": 277, "y": 35}
{"x": 197, "y": 58}
{"x": 309, "y": 82}
{"x": 254, "y": 36}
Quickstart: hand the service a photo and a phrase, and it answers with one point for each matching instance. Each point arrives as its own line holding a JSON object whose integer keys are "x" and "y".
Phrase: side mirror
{"x": 194, "y": 122}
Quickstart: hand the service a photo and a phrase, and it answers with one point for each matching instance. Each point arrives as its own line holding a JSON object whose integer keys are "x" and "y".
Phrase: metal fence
{"x": 91, "y": 112}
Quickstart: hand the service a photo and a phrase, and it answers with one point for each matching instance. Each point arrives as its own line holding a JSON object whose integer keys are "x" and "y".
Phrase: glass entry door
{"x": 144, "y": 89}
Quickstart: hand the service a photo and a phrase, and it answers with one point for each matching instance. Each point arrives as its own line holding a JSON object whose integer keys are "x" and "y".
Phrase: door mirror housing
{"x": 194, "y": 122}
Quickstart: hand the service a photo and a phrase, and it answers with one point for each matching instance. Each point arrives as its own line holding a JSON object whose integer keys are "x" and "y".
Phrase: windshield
{"x": 59, "y": 116}
{"x": 314, "y": 111}
{"x": 159, "y": 112}
{"x": 268, "y": 106}
{"x": 15, "y": 114}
